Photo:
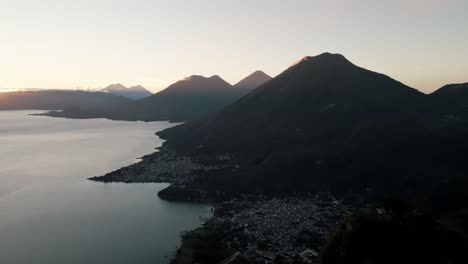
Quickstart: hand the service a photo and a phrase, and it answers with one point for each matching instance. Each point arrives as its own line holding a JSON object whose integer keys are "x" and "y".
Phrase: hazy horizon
{"x": 90, "y": 44}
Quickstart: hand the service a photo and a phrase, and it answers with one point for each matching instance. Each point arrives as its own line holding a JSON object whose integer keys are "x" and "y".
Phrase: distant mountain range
{"x": 70, "y": 100}
{"x": 134, "y": 92}
{"x": 326, "y": 124}
{"x": 253, "y": 81}
{"x": 191, "y": 98}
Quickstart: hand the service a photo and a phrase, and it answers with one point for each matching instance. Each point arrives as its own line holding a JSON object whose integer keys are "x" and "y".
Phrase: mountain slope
{"x": 134, "y": 92}
{"x": 450, "y": 102}
{"x": 187, "y": 99}
{"x": 57, "y": 100}
{"x": 253, "y": 81}
{"x": 324, "y": 123}
{"x": 315, "y": 96}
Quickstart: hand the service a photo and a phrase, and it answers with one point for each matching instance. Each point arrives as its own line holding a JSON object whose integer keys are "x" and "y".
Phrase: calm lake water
{"x": 50, "y": 213}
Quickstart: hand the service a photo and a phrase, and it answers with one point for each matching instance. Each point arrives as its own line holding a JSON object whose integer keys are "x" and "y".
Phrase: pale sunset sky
{"x": 92, "y": 43}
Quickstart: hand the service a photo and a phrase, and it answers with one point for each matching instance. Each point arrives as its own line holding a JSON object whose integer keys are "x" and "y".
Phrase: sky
{"x": 89, "y": 44}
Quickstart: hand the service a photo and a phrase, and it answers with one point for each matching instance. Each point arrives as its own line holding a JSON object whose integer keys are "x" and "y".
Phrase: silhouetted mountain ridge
{"x": 134, "y": 92}
{"x": 253, "y": 81}
{"x": 114, "y": 87}
{"x": 452, "y": 88}
{"x": 199, "y": 85}
{"x": 187, "y": 99}
{"x": 327, "y": 124}
{"x": 326, "y": 88}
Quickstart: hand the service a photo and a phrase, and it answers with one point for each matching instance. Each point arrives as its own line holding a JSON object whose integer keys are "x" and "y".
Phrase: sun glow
{"x": 4, "y": 90}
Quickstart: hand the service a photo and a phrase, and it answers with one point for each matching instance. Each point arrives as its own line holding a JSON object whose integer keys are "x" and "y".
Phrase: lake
{"x": 49, "y": 211}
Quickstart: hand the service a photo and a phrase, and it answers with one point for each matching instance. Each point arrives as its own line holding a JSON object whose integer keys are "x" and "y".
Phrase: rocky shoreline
{"x": 244, "y": 228}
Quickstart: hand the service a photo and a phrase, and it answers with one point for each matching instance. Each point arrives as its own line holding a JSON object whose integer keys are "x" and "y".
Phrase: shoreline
{"x": 163, "y": 165}
{"x": 67, "y": 115}
{"x": 243, "y": 228}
